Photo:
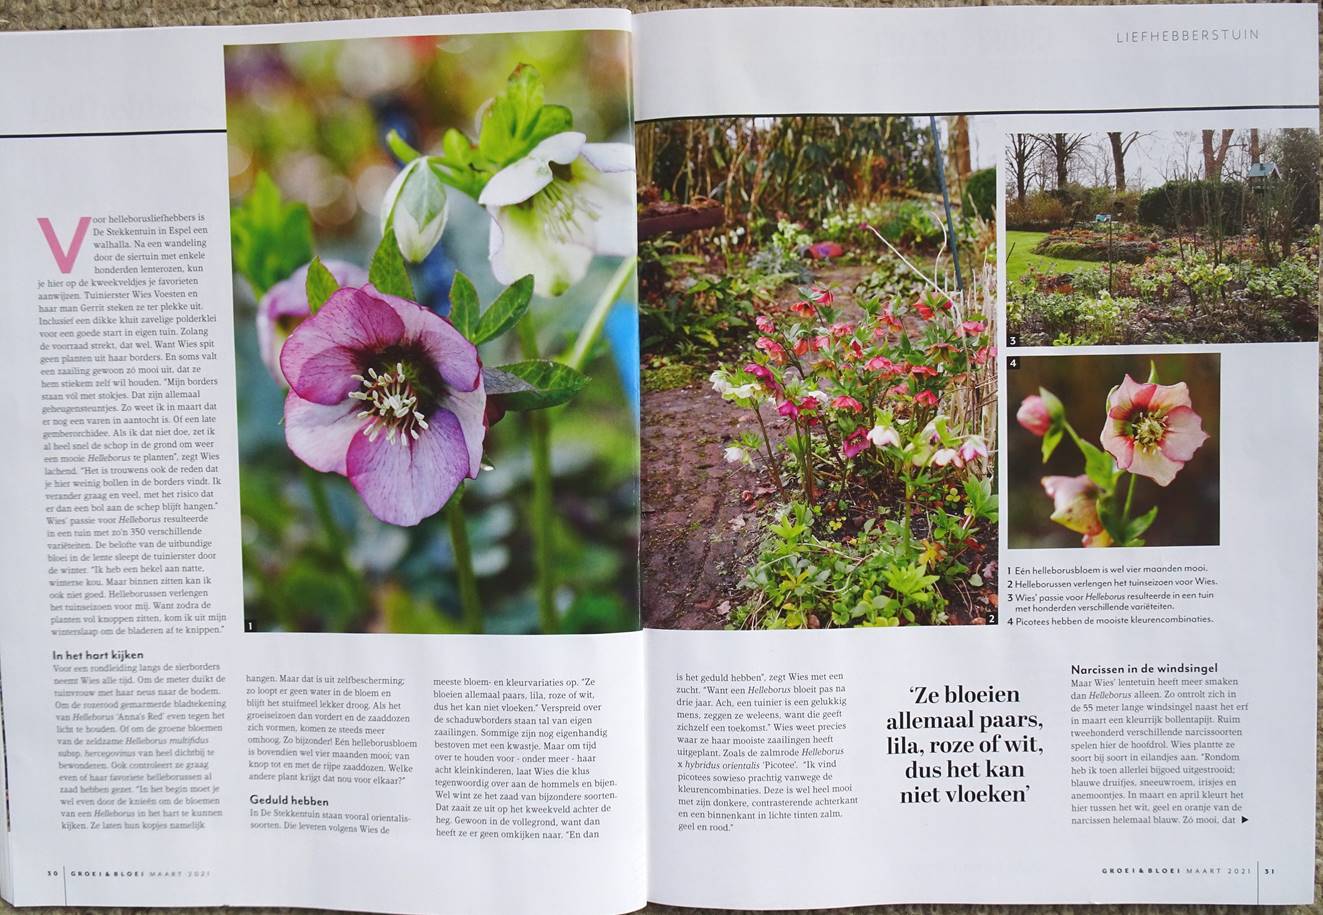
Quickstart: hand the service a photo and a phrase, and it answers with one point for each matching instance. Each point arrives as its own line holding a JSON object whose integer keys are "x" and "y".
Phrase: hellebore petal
{"x": 285, "y": 305}
{"x": 323, "y": 354}
{"x": 318, "y": 434}
{"x": 404, "y": 485}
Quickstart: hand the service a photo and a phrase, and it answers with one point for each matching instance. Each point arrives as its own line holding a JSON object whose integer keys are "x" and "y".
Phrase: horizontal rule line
{"x": 107, "y": 133}
{"x": 986, "y": 113}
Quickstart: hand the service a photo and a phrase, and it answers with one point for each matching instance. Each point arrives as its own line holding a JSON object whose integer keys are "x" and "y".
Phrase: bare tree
{"x": 1019, "y": 158}
{"x": 961, "y": 160}
{"x": 1121, "y": 143}
{"x": 1215, "y": 154}
{"x": 1255, "y": 150}
{"x": 1061, "y": 148}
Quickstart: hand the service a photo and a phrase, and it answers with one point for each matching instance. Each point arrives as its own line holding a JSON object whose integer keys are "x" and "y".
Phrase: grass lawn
{"x": 1020, "y": 257}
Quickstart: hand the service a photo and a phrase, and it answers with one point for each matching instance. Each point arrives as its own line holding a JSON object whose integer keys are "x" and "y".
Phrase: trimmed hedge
{"x": 1195, "y": 205}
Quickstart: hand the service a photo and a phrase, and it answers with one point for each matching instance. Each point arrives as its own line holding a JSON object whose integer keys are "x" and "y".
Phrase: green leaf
{"x": 1051, "y": 439}
{"x": 270, "y": 238}
{"x": 1110, "y": 516}
{"x": 1152, "y": 372}
{"x": 401, "y": 148}
{"x": 1137, "y": 526}
{"x": 1099, "y": 466}
{"x": 505, "y": 312}
{"x": 387, "y": 271}
{"x": 545, "y": 384}
{"x": 464, "y": 306}
{"x": 321, "y": 285}
{"x": 517, "y": 119}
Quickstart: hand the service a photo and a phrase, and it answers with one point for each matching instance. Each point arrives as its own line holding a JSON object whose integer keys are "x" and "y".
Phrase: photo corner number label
{"x": 1012, "y": 363}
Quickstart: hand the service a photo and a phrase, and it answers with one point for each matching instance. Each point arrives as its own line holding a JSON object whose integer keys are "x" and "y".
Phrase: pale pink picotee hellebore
{"x": 1151, "y": 429}
{"x": 388, "y": 394}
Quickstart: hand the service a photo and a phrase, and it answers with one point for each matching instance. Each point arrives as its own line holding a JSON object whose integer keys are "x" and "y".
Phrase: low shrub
{"x": 1040, "y": 212}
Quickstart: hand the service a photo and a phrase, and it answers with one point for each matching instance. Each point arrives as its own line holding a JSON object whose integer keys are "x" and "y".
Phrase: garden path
{"x": 701, "y": 522}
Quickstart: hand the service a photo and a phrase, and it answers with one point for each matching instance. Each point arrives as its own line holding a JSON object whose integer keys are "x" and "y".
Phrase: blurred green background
{"x": 314, "y": 117}
{"x": 1188, "y": 511}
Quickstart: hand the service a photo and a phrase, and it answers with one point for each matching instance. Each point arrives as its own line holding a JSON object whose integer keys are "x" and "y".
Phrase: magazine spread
{"x": 728, "y": 458}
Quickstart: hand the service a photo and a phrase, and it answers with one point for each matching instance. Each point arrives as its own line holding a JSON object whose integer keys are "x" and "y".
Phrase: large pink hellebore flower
{"x": 388, "y": 394}
{"x": 1152, "y": 429}
{"x": 285, "y": 306}
{"x": 1075, "y": 507}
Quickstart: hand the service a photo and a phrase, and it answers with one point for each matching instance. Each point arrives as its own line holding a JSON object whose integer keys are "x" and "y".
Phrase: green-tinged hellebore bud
{"x": 415, "y": 207}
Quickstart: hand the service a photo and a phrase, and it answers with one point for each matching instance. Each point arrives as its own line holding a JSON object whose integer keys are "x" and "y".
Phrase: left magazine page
{"x": 322, "y": 494}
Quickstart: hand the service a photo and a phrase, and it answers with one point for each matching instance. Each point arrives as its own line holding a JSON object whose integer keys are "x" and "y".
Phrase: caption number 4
{"x": 1012, "y": 362}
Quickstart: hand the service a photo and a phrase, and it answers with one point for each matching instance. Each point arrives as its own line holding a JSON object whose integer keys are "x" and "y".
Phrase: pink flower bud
{"x": 1033, "y": 415}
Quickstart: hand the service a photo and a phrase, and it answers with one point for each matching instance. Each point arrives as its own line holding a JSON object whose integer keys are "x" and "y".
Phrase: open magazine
{"x": 755, "y": 459}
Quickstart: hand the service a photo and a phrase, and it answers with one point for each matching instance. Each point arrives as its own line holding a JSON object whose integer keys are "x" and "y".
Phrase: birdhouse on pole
{"x": 1262, "y": 174}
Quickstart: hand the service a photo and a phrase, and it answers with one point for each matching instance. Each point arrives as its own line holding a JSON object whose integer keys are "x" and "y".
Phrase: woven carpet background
{"x": 18, "y": 15}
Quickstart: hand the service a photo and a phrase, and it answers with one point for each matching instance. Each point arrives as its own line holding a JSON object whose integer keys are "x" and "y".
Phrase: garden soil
{"x": 76, "y": 14}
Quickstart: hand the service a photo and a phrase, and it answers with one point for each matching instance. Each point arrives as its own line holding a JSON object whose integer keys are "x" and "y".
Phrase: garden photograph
{"x": 1113, "y": 451}
{"x": 435, "y": 333}
{"x": 817, "y": 305}
{"x": 1162, "y": 237}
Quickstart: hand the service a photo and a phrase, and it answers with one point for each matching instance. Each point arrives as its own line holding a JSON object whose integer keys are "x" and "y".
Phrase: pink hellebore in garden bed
{"x": 1152, "y": 429}
{"x": 285, "y": 306}
{"x": 881, "y": 436}
{"x": 855, "y": 443}
{"x": 388, "y": 394}
{"x": 1075, "y": 507}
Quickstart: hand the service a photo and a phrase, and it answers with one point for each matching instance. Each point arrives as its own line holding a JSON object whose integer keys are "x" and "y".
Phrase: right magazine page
{"x": 979, "y": 453}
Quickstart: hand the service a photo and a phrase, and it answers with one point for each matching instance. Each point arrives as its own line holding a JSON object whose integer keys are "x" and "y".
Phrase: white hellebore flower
{"x": 881, "y": 436}
{"x": 744, "y": 392}
{"x": 415, "y": 206}
{"x": 555, "y": 208}
{"x": 720, "y": 383}
{"x": 736, "y": 455}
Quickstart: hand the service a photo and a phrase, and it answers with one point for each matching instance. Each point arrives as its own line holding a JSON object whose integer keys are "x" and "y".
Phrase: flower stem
{"x": 540, "y": 504}
{"x": 771, "y": 458}
{"x": 335, "y": 538}
{"x": 469, "y": 604}
{"x": 1129, "y": 494}
{"x": 577, "y": 354}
